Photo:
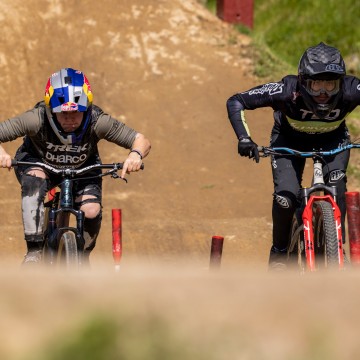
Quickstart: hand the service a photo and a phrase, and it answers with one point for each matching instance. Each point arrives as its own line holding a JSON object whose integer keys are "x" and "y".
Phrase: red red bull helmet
{"x": 68, "y": 90}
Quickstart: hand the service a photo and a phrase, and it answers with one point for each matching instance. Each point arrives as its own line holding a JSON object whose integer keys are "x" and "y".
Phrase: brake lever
{"x": 115, "y": 175}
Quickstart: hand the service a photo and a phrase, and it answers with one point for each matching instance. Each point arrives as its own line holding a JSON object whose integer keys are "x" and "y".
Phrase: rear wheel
{"x": 296, "y": 248}
{"x": 325, "y": 235}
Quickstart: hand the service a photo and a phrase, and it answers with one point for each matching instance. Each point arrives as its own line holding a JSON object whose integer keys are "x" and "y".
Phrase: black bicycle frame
{"x": 59, "y": 217}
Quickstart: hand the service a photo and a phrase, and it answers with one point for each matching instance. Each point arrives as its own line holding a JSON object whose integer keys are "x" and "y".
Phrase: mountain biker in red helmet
{"x": 309, "y": 113}
{"x": 64, "y": 130}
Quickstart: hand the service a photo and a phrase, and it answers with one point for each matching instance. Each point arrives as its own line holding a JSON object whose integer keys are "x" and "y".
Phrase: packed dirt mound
{"x": 165, "y": 68}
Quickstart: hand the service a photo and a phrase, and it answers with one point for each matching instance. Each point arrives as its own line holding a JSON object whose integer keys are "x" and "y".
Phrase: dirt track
{"x": 166, "y": 68}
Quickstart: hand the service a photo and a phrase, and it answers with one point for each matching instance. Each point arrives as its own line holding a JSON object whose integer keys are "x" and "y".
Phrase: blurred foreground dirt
{"x": 234, "y": 313}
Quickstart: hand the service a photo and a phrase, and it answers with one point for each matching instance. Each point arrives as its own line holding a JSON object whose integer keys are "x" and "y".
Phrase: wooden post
{"x": 216, "y": 251}
{"x": 236, "y": 11}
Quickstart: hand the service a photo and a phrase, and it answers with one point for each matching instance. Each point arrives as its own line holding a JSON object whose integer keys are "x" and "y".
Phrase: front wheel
{"x": 325, "y": 235}
{"x": 68, "y": 250}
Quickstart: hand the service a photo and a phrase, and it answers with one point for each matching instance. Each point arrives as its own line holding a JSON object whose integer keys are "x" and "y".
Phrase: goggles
{"x": 317, "y": 87}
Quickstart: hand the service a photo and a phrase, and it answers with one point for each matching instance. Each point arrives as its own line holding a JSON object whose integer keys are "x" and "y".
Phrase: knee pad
{"x": 285, "y": 200}
{"x": 33, "y": 191}
{"x": 33, "y": 186}
{"x": 91, "y": 231}
{"x": 337, "y": 178}
{"x": 284, "y": 205}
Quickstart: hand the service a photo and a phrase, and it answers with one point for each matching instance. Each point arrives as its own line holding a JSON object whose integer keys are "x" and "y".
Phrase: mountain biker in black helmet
{"x": 63, "y": 131}
{"x": 309, "y": 113}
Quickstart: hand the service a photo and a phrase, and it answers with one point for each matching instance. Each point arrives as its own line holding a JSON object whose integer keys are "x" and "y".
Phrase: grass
{"x": 121, "y": 337}
{"x": 284, "y": 29}
{"x": 288, "y": 27}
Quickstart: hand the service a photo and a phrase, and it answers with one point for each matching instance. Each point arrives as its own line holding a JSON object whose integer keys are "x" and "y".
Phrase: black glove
{"x": 247, "y": 147}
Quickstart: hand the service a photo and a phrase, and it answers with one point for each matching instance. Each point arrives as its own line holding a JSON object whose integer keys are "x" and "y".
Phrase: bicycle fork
{"x": 58, "y": 222}
{"x": 307, "y": 218}
{"x": 309, "y": 198}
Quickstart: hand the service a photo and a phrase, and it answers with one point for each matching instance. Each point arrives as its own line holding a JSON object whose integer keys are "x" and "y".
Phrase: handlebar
{"x": 114, "y": 167}
{"x": 268, "y": 150}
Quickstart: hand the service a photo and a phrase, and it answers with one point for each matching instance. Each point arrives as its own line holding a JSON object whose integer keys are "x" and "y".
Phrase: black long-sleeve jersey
{"x": 290, "y": 112}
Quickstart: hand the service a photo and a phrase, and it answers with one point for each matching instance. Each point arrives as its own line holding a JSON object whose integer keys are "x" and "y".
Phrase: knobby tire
{"x": 68, "y": 250}
{"x": 325, "y": 235}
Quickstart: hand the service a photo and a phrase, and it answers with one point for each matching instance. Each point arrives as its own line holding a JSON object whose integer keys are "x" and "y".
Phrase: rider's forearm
{"x": 237, "y": 117}
{"x": 5, "y": 158}
{"x": 2, "y": 151}
{"x": 141, "y": 144}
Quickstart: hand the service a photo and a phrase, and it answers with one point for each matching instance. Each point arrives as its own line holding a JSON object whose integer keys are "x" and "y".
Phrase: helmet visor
{"x": 317, "y": 87}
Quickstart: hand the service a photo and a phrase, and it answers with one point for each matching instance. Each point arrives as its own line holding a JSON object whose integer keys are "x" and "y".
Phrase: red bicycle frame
{"x": 317, "y": 192}
{"x": 307, "y": 217}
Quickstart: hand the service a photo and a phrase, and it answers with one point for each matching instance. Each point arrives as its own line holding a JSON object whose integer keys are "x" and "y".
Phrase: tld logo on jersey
{"x": 309, "y": 115}
{"x": 271, "y": 88}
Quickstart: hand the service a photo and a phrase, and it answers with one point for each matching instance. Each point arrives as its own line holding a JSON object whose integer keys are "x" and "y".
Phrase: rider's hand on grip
{"x": 246, "y": 147}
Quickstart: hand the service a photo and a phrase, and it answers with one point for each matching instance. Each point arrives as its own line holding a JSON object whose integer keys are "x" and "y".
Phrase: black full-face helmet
{"x": 321, "y": 62}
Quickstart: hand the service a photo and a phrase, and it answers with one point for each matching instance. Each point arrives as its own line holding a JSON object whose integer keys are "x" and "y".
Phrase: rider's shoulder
{"x": 38, "y": 110}
{"x": 287, "y": 84}
{"x": 290, "y": 80}
{"x": 350, "y": 81}
{"x": 351, "y": 87}
{"x": 283, "y": 89}
{"x": 40, "y": 105}
{"x": 96, "y": 111}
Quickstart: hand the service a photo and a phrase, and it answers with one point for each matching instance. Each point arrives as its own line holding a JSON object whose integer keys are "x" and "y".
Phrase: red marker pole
{"x": 216, "y": 251}
{"x": 353, "y": 219}
{"x": 116, "y": 237}
{"x": 236, "y": 11}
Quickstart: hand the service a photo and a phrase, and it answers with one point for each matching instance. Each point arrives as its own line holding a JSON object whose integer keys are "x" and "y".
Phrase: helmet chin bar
{"x": 65, "y": 138}
{"x": 72, "y": 137}
{"x": 323, "y": 110}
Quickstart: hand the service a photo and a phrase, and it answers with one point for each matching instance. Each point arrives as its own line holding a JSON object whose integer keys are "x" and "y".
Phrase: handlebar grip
{"x": 14, "y": 162}
{"x": 120, "y": 166}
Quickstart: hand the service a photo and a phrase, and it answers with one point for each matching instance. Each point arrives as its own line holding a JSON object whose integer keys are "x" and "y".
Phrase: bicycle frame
{"x": 62, "y": 205}
{"x": 309, "y": 199}
{"x": 310, "y": 196}
{"x": 58, "y": 222}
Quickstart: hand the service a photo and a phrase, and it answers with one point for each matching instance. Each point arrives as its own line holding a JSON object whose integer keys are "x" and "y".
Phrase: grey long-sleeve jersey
{"x": 41, "y": 141}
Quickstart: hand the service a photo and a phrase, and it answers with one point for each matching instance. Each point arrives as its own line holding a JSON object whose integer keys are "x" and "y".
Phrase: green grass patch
{"x": 284, "y": 29}
{"x": 121, "y": 338}
{"x": 288, "y": 27}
